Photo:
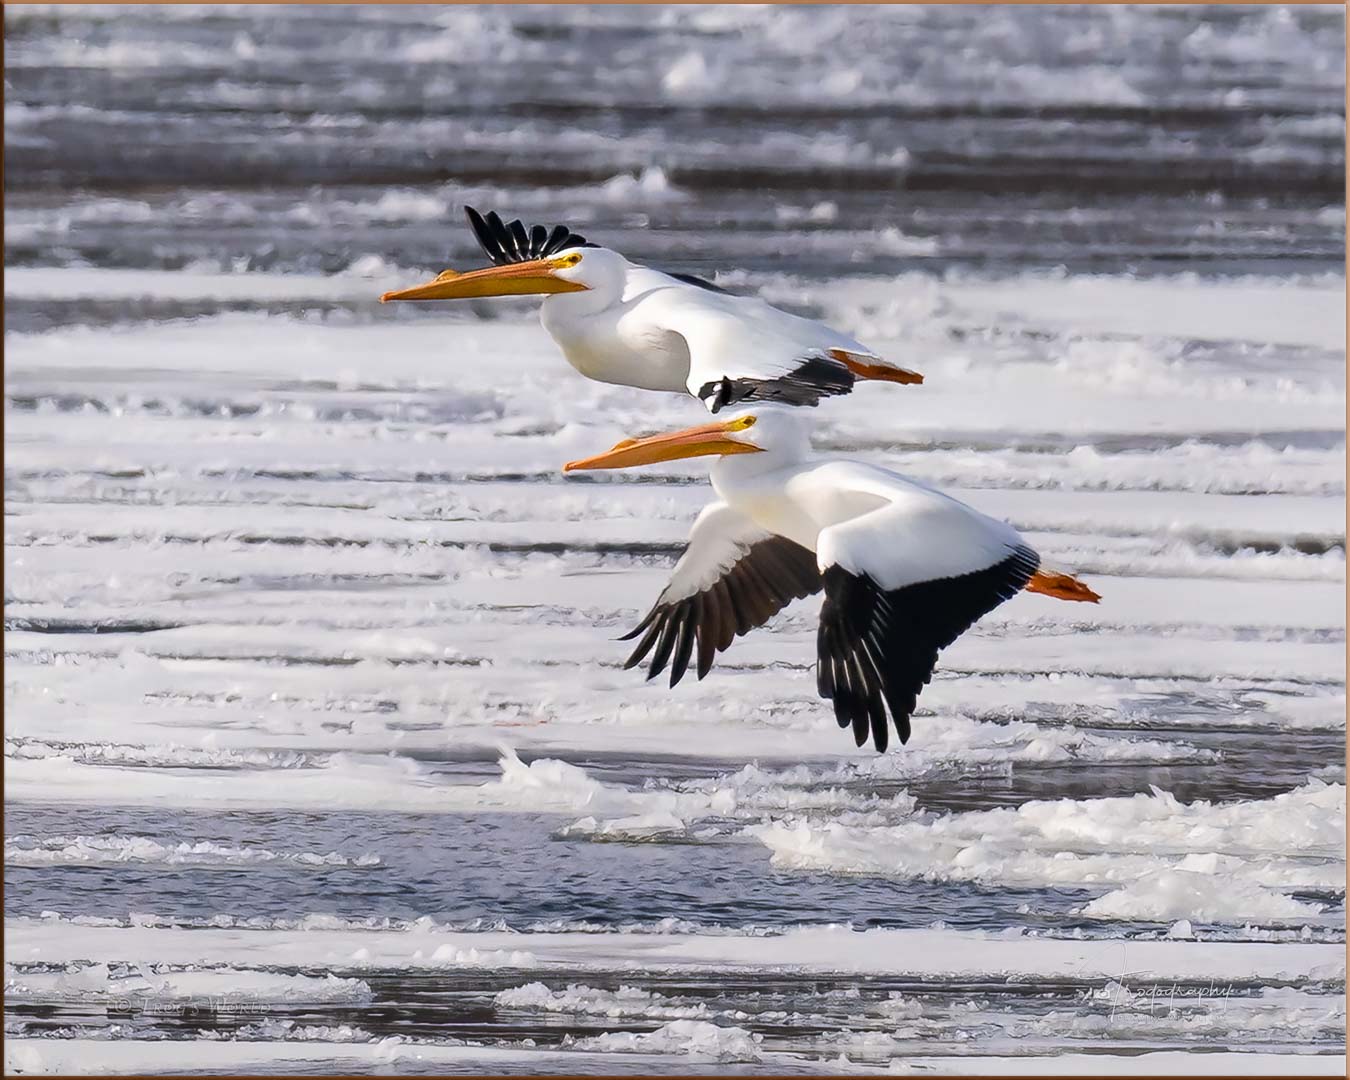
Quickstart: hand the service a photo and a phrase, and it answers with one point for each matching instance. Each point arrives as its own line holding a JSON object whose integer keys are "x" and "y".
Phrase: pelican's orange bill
{"x": 714, "y": 438}
{"x": 514, "y": 279}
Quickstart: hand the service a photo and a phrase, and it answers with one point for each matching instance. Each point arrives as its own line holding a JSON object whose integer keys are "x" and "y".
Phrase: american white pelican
{"x": 905, "y": 569}
{"x": 619, "y": 322}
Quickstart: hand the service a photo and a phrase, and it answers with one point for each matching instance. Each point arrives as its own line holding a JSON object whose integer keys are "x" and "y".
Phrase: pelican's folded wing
{"x": 743, "y": 350}
{"x": 732, "y": 577}
{"x": 901, "y": 583}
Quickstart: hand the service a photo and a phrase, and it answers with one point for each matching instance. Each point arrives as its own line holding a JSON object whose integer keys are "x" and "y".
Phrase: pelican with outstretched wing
{"x": 905, "y": 569}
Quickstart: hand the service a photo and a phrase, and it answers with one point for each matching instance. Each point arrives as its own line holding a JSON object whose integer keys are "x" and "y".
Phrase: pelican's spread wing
{"x": 732, "y": 577}
{"x": 901, "y": 583}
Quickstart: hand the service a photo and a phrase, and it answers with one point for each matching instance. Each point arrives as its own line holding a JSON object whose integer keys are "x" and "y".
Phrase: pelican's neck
{"x": 565, "y": 308}
{"x": 760, "y": 486}
{"x": 732, "y": 473}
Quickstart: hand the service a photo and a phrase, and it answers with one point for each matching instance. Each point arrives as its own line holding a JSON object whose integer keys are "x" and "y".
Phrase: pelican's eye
{"x": 742, "y": 422}
{"x": 566, "y": 262}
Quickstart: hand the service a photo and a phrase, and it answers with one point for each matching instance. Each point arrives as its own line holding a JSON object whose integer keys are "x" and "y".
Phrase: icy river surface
{"x": 319, "y": 753}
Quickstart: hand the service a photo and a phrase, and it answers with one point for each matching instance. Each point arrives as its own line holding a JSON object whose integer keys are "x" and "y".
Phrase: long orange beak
{"x": 715, "y": 438}
{"x": 514, "y": 279}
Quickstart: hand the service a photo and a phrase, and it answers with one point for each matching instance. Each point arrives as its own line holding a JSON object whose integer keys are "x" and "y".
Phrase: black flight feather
{"x": 814, "y": 378}
{"x": 763, "y": 581}
{"x": 512, "y": 242}
{"x": 878, "y": 647}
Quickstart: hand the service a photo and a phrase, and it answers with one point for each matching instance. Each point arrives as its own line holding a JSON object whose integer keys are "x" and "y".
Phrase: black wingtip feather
{"x": 684, "y": 648}
{"x": 814, "y": 378}
{"x": 483, "y": 234}
{"x": 664, "y": 646}
{"x": 765, "y": 579}
{"x": 707, "y": 633}
{"x": 646, "y": 622}
{"x": 643, "y": 647}
{"x": 824, "y": 664}
{"x": 877, "y": 648}
{"x": 515, "y": 242}
{"x": 557, "y": 239}
{"x": 521, "y": 237}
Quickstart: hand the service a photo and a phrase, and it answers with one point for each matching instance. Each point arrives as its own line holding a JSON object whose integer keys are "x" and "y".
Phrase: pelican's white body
{"x": 864, "y": 519}
{"x": 635, "y": 326}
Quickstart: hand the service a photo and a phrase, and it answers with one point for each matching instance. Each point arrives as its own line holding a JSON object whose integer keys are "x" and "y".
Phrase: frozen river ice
{"x": 319, "y": 754}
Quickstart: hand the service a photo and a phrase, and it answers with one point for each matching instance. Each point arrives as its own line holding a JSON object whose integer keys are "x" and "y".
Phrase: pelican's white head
{"x": 597, "y": 274}
{"x": 774, "y": 430}
{"x": 528, "y": 261}
{"x": 782, "y": 430}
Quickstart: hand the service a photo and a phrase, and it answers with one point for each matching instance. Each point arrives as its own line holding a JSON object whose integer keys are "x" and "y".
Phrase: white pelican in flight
{"x": 618, "y": 322}
{"x": 905, "y": 569}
